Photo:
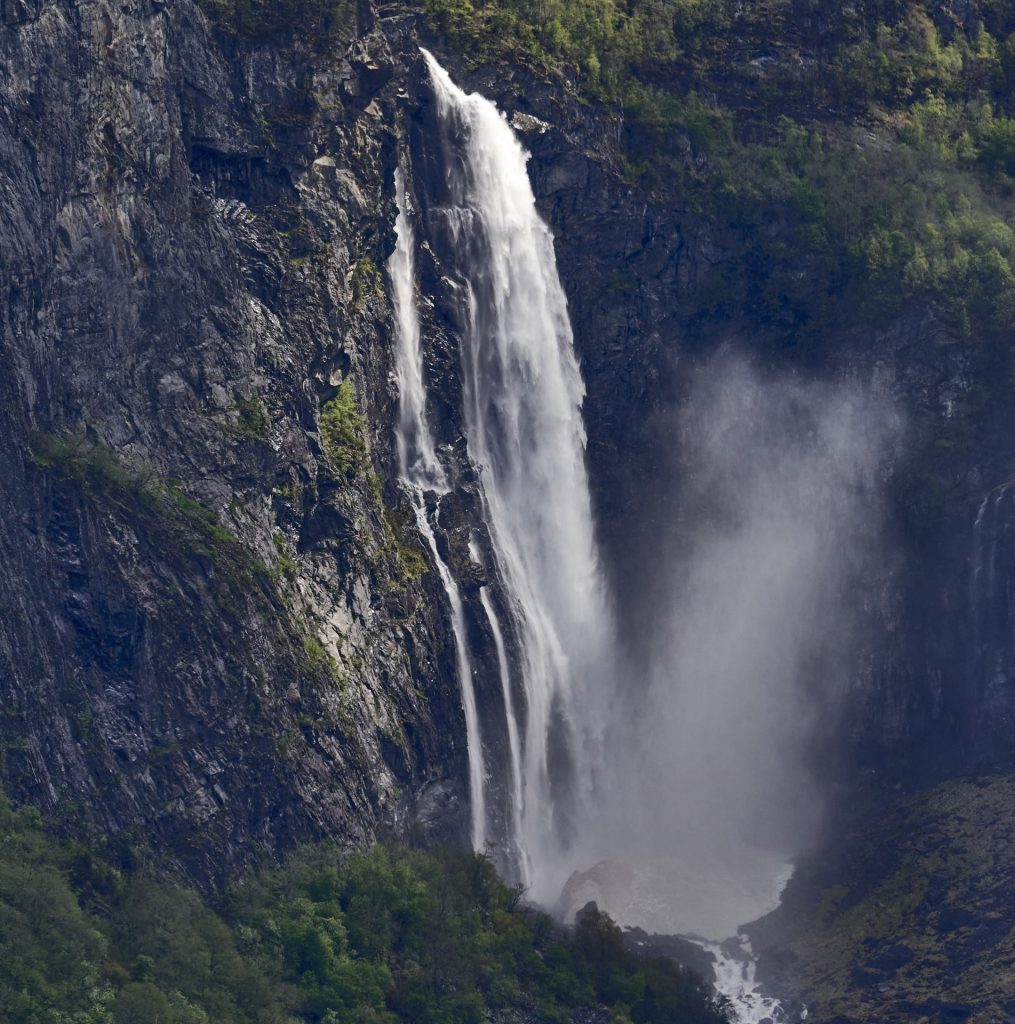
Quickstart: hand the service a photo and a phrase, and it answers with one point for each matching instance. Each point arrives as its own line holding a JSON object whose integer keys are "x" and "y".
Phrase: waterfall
{"x": 514, "y": 741}
{"x": 421, "y": 472}
{"x": 677, "y": 789}
{"x": 522, "y": 395}
{"x": 417, "y": 457}
{"x": 521, "y": 415}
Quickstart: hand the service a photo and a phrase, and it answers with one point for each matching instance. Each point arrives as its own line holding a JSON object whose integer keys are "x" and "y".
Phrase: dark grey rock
{"x": 180, "y": 233}
{"x": 892, "y": 959}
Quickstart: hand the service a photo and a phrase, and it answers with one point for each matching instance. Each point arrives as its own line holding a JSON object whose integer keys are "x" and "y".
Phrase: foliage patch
{"x": 377, "y": 937}
{"x": 344, "y": 432}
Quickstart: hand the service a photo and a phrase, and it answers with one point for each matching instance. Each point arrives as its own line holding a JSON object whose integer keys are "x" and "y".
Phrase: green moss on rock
{"x": 343, "y": 432}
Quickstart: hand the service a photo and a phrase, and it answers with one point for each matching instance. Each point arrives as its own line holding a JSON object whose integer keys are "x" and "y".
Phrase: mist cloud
{"x": 750, "y": 639}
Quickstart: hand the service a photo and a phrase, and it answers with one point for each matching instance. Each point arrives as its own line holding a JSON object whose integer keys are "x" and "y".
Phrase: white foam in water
{"x": 735, "y": 979}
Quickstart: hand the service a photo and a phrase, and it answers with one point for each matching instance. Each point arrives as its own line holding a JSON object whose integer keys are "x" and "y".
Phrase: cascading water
{"x": 491, "y": 271}
{"x": 421, "y": 472}
{"x": 735, "y": 977}
{"x": 522, "y": 393}
{"x": 522, "y": 398}
{"x": 514, "y": 740}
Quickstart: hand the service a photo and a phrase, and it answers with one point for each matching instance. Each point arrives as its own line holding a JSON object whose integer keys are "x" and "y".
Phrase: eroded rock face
{"x": 216, "y": 632}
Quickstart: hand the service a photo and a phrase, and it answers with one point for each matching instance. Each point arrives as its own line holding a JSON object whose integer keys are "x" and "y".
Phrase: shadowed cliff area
{"x": 788, "y": 228}
{"x": 909, "y": 916}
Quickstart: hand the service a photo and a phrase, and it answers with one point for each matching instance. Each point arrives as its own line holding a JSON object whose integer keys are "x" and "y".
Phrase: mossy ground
{"x": 911, "y": 917}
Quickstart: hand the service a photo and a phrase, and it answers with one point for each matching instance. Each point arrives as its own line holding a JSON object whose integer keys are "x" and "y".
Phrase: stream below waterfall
{"x": 706, "y": 900}
{"x": 735, "y": 969}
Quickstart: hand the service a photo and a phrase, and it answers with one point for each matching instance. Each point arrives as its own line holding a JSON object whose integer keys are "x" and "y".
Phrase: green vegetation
{"x": 252, "y": 420}
{"x": 410, "y": 558}
{"x": 413, "y": 562}
{"x": 320, "y": 657}
{"x": 51, "y": 952}
{"x": 343, "y": 432}
{"x": 366, "y": 281}
{"x": 871, "y": 145}
{"x": 286, "y": 568}
{"x": 368, "y": 938}
{"x": 134, "y": 487}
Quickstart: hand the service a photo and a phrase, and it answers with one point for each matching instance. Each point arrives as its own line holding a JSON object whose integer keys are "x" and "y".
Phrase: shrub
{"x": 343, "y": 432}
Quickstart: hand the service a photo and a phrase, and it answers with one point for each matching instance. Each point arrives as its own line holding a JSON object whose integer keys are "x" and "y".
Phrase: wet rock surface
{"x": 681, "y": 951}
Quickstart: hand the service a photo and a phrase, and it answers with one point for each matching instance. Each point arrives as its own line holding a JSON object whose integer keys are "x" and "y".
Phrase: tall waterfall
{"x": 522, "y": 411}
{"x": 421, "y": 472}
{"x": 678, "y": 797}
{"x": 521, "y": 396}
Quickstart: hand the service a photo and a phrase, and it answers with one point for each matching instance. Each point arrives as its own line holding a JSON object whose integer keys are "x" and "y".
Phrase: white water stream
{"x": 521, "y": 394}
{"x": 522, "y": 410}
{"x": 421, "y": 472}
{"x": 735, "y": 978}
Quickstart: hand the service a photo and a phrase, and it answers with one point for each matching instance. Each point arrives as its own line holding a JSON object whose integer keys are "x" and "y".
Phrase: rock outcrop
{"x": 908, "y": 917}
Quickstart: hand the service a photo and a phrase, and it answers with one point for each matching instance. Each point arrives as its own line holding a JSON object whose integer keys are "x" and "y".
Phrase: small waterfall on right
{"x": 989, "y": 524}
{"x": 991, "y": 607}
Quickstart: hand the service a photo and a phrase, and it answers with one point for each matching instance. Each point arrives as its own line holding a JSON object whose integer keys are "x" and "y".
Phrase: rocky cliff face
{"x": 219, "y": 627}
{"x": 218, "y": 632}
{"x": 908, "y": 918}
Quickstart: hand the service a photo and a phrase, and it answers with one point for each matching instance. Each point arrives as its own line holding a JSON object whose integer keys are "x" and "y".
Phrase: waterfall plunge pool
{"x": 707, "y": 899}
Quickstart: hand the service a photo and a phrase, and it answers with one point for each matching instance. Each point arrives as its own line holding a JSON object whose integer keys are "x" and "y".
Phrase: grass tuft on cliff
{"x": 134, "y": 487}
{"x": 343, "y": 431}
